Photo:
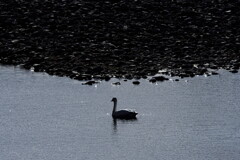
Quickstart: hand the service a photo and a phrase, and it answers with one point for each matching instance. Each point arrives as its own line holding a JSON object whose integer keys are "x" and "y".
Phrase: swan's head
{"x": 114, "y": 99}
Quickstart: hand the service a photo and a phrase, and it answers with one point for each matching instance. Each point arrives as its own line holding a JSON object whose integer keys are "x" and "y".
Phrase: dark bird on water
{"x": 122, "y": 114}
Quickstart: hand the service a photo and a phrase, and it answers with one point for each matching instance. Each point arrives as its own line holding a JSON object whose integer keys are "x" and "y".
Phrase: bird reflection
{"x": 115, "y": 123}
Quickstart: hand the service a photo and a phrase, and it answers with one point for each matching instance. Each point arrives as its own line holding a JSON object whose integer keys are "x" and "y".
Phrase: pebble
{"x": 136, "y": 82}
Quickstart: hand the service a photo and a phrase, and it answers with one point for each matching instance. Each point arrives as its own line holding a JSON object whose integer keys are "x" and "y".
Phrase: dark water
{"x": 51, "y": 118}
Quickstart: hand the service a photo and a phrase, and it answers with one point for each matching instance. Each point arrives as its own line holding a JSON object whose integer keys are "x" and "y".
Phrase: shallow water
{"x": 44, "y": 117}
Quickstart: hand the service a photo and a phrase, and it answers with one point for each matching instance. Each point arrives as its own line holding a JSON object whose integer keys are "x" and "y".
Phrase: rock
{"x": 86, "y": 76}
{"x": 128, "y": 76}
{"x": 184, "y": 75}
{"x": 136, "y": 82}
{"x": 89, "y": 83}
{"x": 236, "y": 65}
{"x": 213, "y": 67}
{"x": 214, "y": 73}
{"x": 97, "y": 69}
{"x": 160, "y": 78}
{"x": 26, "y": 66}
{"x": 116, "y": 83}
{"x": 97, "y": 77}
{"x": 144, "y": 77}
{"x": 153, "y": 80}
{"x": 202, "y": 71}
{"x": 233, "y": 71}
{"x": 37, "y": 67}
{"x": 107, "y": 78}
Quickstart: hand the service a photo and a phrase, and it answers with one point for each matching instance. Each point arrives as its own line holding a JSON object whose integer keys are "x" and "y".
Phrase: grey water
{"x": 44, "y": 117}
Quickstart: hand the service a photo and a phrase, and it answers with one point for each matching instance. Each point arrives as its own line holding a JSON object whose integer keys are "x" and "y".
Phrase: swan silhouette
{"x": 122, "y": 114}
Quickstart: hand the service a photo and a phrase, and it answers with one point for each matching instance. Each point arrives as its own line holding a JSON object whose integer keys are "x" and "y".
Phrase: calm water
{"x": 51, "y": 118}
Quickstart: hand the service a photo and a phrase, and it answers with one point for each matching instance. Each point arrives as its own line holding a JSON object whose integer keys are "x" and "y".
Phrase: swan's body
{"x": 122, "y": 114}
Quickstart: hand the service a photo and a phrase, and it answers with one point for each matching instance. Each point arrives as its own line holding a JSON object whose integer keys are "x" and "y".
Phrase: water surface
{"x": 44, "y": 117}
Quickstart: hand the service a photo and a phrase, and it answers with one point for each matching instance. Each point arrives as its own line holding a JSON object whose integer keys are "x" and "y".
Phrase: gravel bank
{"x": 130, "y": 39}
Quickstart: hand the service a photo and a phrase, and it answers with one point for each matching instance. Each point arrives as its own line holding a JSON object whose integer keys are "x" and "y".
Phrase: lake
{"x": 45, "y": 117}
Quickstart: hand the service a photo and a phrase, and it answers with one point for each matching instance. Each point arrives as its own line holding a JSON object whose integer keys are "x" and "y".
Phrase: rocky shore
{"x": 87, "y": 40}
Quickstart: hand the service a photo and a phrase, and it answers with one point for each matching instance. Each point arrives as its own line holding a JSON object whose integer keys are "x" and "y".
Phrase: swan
{"x": 122, "y": 114}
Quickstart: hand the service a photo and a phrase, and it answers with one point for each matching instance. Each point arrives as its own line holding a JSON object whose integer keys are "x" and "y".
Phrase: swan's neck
{"x": 114, "y": 107}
